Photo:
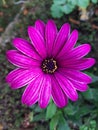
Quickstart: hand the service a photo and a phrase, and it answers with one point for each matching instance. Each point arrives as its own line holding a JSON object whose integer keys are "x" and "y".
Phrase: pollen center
{"x": 49, "y": 66}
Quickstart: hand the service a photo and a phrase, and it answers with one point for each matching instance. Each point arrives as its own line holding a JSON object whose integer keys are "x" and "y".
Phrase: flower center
{"x": 49, "y": 66}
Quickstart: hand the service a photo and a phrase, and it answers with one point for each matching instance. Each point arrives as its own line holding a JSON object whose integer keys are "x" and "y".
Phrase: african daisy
{"x": 49, "y": 65}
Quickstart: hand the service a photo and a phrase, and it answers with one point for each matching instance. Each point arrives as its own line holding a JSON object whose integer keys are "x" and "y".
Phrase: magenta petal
{"x": 40, "y": 26}
{"x": 45, "y": 92}
{"x": 21, "y": 77}
{"x": 66, "y": 86}
{"x": 61, "y": 38}
{"x": 78, "y": 52}
{"x": 75, "y": 75}
{"x": 37, "y": 41}
{"x": 84, "y": 63}
{"x": 13, "y": 74}
{"x": 21, "y": 60}
{"x": 58, "y": 96}
{"x": 50, "y": 35}
{"x": 26, "y": 48}
{"x": 31, "y": 93}
{"x": 69, "y": 44}
{"x": 81, "y": 64}
{"x": 80, "y": 86}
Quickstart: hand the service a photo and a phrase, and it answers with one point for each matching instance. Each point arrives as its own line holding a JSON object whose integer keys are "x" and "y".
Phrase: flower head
{"x": 49, "y": 65}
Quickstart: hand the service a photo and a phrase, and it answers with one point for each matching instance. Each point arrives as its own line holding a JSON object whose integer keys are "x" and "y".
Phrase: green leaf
{"x": 83, "y": 110}
{"x": 91, "y": 94}
{"x": 88, "y": 94}
{"x": 70, "y": 110}
{"x": 92, "y": 124}
{"x": 73, "y": 2}
{"x": 39, "y": 117}
{"x": 59, "y": 2}
{"x": 83, "y": 127}
{"x": 83, "y": 3}
{"x": 51, "y": 110}
{"x": 54, "y": 122}
{"x": 89, "y": 126}
{"x": 67, "y": 8}
{"x": 37, "y": 109}
{"x": 56, "y": 11}
{"x": 94, "y": 1}
{"x": 63, "y": 125}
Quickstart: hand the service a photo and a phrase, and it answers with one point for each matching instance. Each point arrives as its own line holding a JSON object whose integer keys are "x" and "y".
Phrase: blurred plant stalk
{"x": 4, "y": 2}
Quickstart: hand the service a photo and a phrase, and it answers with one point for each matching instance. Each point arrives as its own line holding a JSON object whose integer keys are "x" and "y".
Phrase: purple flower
{"x": 49, "y": 65}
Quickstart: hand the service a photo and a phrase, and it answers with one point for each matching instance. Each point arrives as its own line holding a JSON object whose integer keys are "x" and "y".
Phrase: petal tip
{"x": 51, "y": 23}
{"x": 67, "y": 24}
{"x": 50, "y": 20}
{"x": 16, "y": 40}
{"x": 75, "y": 98}
{"x": 30, "y": 28}
{"x": 63, "y": 105}
{"x": 38, "y": 21}
{"x": 8, "y": 53}
{"x": 42, "y": 106}
{"x": 75, "y": 31}
{"x": 93, "y": 61}
{"x": 88, "y": 46}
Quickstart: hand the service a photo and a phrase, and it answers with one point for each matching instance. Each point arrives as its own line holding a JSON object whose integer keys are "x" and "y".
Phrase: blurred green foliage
{"x": 61, "y": 7}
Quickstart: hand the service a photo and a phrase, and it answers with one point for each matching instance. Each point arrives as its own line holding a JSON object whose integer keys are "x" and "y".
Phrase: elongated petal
{"x": 13, "y": 74}
{"x": 50, "y": 35}
{"x": 26, "y": 48}
{"x": 45, "y": 92}
{"x": 31, "y": 93}
{"x": 61, "y": 39}
{"x": 69, "y": 44}
{"x": 81, "y": 64}
{"x": 40, "y": 26}
{"x": 20, "y": 60}
{"x": 78, "y": 52}
{"x": 66, "y": 86}
{"x": 21, "y": 77}
{"x": 37, "y": 41}
{"x": 75, "y": 75}
{"x": 80, "y": 86}
{"x": 58, "y": 96}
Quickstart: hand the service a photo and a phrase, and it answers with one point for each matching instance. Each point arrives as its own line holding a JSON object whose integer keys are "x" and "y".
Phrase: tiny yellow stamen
{"x": 49, "y": 66}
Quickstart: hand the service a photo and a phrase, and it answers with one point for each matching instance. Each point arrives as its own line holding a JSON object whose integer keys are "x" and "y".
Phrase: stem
{"x": 4, "y": 2}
